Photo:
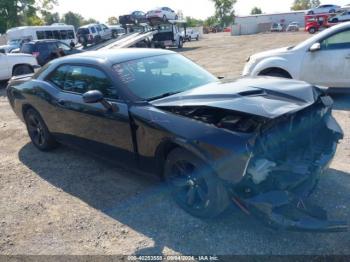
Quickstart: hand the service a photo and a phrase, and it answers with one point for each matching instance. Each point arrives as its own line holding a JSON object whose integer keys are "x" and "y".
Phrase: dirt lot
{"x": 67, "y": 202}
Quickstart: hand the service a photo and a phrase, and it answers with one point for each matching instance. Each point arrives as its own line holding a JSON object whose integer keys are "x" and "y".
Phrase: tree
{"x": 256, "y": 11}
{"x": 15, "y": 13}
{"x": 304, "y": 4}
{"x": 224, "y": 11}
{"x": 50, "y": 18}
{"x": 74, "y": 19}
{"x": 211, "y": 21}
{"x": 192, "y": 22}
{"x": 112, "y": 20}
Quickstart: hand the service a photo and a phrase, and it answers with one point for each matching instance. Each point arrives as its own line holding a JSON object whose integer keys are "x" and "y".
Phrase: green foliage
{"x": 50, "y": 18}
{"x": 15, "y": 13}
{"x": 224, "y": 11}
{"x": 304, "y": 4}
{"x": 211, "y": 21}
{"x": 74, "y": 19}
{"x": 192, "y": 22}
{"x": 256, "y": 11}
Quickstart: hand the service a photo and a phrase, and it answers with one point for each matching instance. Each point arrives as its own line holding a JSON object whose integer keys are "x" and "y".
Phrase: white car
{"x": 190, "y": 35}
{"x": 17, "y": 64}
{"x": 323, "y": 59}
{"x": 346, "y": 7}
{"x": 93, "y": 34}
{"x": 164, "y": 13}
{"x": 293, "y": 26}
{"x": 344, "y": 17}
{"x": 276, "y": 27}
{"x": 324, "y": 9}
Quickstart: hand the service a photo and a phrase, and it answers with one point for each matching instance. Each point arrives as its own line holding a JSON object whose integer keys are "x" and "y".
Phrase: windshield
{"x": 14, "y": 42}
{"x": 159, "y": 76}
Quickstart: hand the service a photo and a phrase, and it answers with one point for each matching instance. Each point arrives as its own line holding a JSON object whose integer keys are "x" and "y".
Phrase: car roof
{"x": 118, "y": 55}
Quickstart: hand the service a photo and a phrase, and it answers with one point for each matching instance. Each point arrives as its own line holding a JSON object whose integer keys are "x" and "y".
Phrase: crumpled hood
{"x": 273, "y": 52}
{"x": 269, "y": 97}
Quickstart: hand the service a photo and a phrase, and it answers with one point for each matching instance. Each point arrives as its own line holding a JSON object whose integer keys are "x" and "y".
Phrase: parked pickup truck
{"x": 16, "y": 64}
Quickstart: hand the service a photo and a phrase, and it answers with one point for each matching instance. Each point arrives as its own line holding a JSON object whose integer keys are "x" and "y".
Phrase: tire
{"x": 312, "y": 30}
{"x": 22, "y": 70}
{"x": 38, "y": 131}
{"x": 197, "y": 38}
{"x": 180, "y": 44}
{"x": 194, "y": 186}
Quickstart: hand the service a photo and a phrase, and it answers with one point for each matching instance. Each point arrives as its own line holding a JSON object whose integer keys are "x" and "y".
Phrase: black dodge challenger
{"x": 260, "y": 143}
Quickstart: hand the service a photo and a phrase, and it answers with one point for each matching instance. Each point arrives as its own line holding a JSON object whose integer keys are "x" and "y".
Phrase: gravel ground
{"x": 66, "y": 202}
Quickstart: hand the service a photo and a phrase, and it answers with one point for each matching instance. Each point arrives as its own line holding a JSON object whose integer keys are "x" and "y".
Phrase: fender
{"x": 278, "y": 62}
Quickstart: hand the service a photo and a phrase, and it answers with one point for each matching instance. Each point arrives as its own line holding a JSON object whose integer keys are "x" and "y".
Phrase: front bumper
{"x": 287, "y": 163}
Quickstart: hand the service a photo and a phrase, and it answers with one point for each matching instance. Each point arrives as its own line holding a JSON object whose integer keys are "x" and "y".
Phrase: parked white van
{"x": 62, "y": 32}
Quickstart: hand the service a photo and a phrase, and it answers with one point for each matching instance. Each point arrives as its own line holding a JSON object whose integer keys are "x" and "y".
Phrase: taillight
{"x": 36, "y": 54}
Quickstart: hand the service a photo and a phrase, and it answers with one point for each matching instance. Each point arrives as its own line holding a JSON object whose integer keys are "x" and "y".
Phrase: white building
{"x": 253, "y": 24}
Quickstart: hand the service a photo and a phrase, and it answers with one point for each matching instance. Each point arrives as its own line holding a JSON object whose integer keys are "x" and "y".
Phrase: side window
{"x": 71, "y": 34}
{"x": 40, "y": 34}
{"x": 64, "y": 34}
{"x": 63, "y": 46}
{"x": 338, "y": 41}
{"x": 98, "y": 28}
{"x": 59, "y": 75}
{"x": 49, "y": 34}
{"x": 93, "y": 30}
{"x": 80, "y": 79}
{"x": 56, "y": 34}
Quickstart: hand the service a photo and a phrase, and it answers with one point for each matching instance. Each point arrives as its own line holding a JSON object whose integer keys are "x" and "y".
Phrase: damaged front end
{"x": 288, "y": 157}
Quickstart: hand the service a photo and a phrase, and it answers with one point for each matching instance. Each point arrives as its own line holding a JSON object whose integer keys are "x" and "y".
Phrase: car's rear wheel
{"x": 38, "y": 131}
{"x": 194, "y": 186}
{"x": 197, "y": 38}
{"x": 22, "y": 70}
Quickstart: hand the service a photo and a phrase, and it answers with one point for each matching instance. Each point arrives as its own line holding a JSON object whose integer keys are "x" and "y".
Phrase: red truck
{"x": 314, "y": 23}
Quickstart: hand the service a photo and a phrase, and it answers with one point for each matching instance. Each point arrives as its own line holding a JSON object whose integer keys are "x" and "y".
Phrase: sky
{"x": 102, "y": 9}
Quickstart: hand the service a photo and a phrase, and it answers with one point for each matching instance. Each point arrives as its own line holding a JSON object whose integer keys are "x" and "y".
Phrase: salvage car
{"x": 135, "y": 17}
{"x": 324, "y": 9}
{"x": 323, "y": 59}
{"x": 259, "y": 142}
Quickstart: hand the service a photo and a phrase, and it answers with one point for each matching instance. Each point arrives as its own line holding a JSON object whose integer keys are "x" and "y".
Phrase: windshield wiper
{"x": 164, "y": 95}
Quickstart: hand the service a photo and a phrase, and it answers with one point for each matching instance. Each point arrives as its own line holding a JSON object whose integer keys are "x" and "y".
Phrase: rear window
{"x": 83, "y": 31}
{"x": 28, "y": 48}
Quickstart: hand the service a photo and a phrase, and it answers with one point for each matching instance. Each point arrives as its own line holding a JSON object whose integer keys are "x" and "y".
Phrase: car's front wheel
{"x": 194, "y": 186}
{"x": 38, "y": 131}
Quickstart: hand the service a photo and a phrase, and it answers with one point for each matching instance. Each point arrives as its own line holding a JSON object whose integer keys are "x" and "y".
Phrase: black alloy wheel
{"x": 194, "y": 186}
{"x": 38, "y": 131}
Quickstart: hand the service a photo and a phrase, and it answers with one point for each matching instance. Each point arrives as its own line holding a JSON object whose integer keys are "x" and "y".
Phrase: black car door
{"x": 90, "y": 126}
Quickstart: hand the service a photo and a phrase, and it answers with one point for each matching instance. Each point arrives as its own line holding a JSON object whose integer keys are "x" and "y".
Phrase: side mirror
{"x": 315, "y": 47}
{"x": 93, "y": 96}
